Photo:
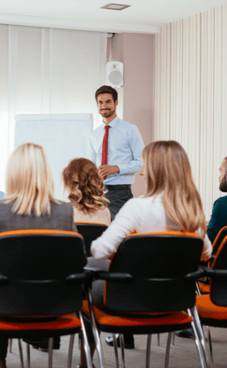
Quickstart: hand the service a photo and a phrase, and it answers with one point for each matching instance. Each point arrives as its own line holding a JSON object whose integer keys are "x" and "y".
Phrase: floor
{"x": 183, "y": 353}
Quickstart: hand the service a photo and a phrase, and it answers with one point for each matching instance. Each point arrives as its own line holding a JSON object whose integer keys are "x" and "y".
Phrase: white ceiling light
{"x": 115, "y": 6}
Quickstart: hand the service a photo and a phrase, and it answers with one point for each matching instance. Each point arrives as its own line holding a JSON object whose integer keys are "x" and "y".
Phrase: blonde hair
{"x": 84, "y": 185}
{"x": 29, "y": 181}
{"x": 168, "y": 170}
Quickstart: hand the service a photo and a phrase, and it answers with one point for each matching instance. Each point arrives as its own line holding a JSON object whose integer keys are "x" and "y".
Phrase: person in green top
{"x": 219, "y": 213}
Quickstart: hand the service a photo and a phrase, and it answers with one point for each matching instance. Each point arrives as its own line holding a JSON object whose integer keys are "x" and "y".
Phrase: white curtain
{"x": 190, "y": 93}
{"x": 45, "y": 70}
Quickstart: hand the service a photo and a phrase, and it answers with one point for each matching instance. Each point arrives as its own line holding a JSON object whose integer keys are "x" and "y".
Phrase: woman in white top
{"x": 85, "y": 188}
{"x": 171, "y": 201}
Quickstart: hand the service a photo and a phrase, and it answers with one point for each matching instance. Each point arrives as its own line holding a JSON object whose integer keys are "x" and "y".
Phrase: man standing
{"x": 115, "y": 148}
{"x": 219, "y": 213}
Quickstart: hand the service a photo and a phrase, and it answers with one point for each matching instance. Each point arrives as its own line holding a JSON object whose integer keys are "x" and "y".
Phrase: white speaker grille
{"x": 115, "y": 77}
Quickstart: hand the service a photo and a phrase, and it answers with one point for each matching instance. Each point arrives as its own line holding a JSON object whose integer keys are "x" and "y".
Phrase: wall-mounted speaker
{"x": 114, "y": 73}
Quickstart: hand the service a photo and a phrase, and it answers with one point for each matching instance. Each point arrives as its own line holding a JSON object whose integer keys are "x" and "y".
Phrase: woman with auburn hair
{"x": 85, "y": 188}
{"x": 171, "y": 201}
{"x": 30, "y": 204}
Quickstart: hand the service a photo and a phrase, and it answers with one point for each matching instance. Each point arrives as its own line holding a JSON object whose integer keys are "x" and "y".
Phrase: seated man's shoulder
{"x": 221, "y": 204}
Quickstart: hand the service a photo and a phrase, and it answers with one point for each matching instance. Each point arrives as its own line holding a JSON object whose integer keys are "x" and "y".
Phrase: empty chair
{"x": 212, "y": 307}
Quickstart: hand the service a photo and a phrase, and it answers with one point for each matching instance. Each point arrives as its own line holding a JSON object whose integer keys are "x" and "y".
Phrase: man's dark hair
{"x": 107, "y": 89}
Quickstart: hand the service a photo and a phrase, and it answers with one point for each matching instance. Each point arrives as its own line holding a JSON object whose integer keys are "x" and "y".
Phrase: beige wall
{"x": 136, "y": 51}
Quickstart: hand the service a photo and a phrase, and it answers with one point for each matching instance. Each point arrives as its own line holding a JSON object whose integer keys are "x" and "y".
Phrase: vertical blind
{"x": 190, "y": 94}
{"x": 45, "y": 70}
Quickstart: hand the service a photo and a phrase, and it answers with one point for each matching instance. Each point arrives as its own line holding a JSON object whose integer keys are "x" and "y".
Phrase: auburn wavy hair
{"x": 167, "y": 169}
{"x": 84, "y": 185}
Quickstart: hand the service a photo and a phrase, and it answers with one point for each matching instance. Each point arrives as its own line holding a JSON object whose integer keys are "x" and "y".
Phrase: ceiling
{"x": 144, "y": 16}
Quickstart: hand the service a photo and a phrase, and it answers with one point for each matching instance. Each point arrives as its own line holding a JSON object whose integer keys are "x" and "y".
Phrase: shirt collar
{"x": 112, "y": 123}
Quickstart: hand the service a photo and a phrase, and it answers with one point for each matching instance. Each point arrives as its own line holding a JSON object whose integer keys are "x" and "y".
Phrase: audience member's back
{"x": 219, "y": 213}
{"x": 30, "y": 202}
{"x": 171, "y": 201}
{"x": 85, "y": 186}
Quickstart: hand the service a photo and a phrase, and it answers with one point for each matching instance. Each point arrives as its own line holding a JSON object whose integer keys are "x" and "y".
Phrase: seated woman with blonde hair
{"x": 85, "y": 187}
{"x": 171, "y": 201}
{"x": 30, "y": 204}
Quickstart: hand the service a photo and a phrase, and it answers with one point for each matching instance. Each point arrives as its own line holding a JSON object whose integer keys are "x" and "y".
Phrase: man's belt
{"x": 118, "y": 187}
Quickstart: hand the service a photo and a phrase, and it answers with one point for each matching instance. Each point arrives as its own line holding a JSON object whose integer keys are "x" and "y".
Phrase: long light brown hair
{"x": 84, "y": 185}
{"x": 29, "y": 181}
{"x": 168, "y": 170}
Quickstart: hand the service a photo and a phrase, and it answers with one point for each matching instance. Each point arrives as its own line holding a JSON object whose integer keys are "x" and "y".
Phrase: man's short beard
{"x": 107, "y": 114}
{"x": 223, "y": 185}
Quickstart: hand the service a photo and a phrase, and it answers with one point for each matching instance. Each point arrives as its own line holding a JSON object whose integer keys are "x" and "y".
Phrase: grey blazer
{"x": 60, "y": 218}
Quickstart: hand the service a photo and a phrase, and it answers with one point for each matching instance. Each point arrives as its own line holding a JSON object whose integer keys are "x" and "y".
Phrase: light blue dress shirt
{"x": 125, "y": 146}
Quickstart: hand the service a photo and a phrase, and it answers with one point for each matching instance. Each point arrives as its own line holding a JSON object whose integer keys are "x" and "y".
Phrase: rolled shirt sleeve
{"x": 136, "y": 144}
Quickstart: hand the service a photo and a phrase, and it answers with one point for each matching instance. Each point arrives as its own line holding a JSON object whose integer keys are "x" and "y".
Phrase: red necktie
{"x": 105, "y": 146}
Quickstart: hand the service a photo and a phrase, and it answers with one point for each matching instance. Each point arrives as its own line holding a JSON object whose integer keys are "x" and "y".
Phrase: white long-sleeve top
{"x": 141, "y": 215}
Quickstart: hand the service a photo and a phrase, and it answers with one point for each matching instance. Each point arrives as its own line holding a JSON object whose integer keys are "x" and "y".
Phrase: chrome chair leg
{"x": 210, "y": 345}
{"x": 121, "y": 338}
{"x": 70, "y": 353}
{"x": 173, "y": 338}
{"x": 50, "y": 352}
{"x": 21, "y": 353}
{"x": 168, "y": 343}
{"x": 115, "y": 350}
{"x": 28, "y": 356}
{"x": 10, "y": 345}
{"x": 198, "y": 292}
{"x": 86, "y": 343}
{"x": 148, "y": 352}
{"x": 198, "y": 347}
{"x": 95, "y": 330}
{"x": 200, "y": 331}
{"x": 158, "y": 339}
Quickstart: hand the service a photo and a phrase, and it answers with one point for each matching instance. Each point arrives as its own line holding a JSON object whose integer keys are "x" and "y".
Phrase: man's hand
{"x": 105, "y": 170}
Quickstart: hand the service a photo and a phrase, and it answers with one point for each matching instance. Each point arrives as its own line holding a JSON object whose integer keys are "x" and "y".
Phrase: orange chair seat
{"x": 63, "y": 324}
{"x": 148, "y": 320}
{"x": 209, "y": 311}
{"x": 204, "y": 288}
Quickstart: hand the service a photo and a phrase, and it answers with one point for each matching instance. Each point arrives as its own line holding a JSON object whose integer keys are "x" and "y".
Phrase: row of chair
{"x": 212, "y": 292}
{"x": 150, "y": 288}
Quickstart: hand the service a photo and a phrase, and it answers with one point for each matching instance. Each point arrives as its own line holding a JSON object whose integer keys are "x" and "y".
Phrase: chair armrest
{"x": 116, "y": 277}
{"x": 79, "y": 277}
{"x": 196, "y": 275}
{"x": 215, "y": 273}
{"x": 3, "y": 279}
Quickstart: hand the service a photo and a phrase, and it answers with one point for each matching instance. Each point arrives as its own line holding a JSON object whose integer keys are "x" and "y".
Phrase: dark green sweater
{"x": 218, "y": 218}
